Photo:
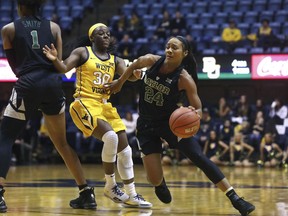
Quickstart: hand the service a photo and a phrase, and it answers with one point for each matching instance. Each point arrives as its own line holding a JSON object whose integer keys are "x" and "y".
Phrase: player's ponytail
{"x": 189, "y": 61}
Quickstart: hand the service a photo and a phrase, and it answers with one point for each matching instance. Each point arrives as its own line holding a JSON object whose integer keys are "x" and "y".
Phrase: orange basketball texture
{"x": 184, "y": 122}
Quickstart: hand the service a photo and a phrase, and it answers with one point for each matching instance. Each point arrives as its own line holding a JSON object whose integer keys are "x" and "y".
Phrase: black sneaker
{"x": 244, "y": 207}
{"x": 86, "y": 200}
{"x": 163, "y": 193}
{"x": 3, "y": 207}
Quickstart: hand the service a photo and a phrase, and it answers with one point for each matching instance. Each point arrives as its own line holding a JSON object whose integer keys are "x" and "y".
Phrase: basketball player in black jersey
{"x": 165, "y": 82}
{"x": 38, "y": 87}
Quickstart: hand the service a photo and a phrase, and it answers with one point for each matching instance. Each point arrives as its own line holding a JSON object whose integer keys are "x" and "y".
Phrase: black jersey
{"x": 159, "y": 93}
{"x": 31, "y": 34}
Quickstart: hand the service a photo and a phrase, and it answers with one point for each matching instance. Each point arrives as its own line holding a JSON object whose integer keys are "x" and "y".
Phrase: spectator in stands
{"x": 270, "y": 152}
{"x": 231, "y": 36}
{"x": 178, "y": 25}
{"x": 224, "y": 110}
{"x": 163, "y": 29}
{"x": 265, "y": 36}
{"x": 215, "y": 149}
{"x": 119, "y": 27}
{"x": 240, "y": 152}
{"x": 242, "y": 108}
{"x": 135, "y": 26}
{"x": 126, "y": 47}
{"x": 192, "y": 43}
{"x": 257, "y": 132}
{"x": 226, "y": 131}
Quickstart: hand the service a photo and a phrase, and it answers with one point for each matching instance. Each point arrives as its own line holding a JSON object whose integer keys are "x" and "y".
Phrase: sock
{"x": 130, "y": 189}
{"x": 110, "y": 180}
{"x": 81, "y": 187}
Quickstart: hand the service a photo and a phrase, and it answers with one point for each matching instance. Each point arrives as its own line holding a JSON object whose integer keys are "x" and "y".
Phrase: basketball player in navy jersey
{"x": 39, "y": 86}
{"x": 170, "y": 81}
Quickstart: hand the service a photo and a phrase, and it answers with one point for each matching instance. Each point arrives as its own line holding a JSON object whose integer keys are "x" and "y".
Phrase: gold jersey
{"x": 92, "y": 75}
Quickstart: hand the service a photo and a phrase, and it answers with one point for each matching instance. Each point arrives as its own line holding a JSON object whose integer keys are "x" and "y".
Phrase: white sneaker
{"x": 137, "y": 202}
{"x": 116, "y": 194}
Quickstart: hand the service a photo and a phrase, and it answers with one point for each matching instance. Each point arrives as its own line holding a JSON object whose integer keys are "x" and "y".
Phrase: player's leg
{"x": 126, "y": 172}
{"x": 57, "y": 131}
{"x": 192, "y": 150}
{"x": 9, "y": 130}
{"x": 154, "y": 171}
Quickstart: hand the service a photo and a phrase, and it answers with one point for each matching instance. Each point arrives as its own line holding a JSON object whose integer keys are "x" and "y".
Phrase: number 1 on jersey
{"x": 35, "y": 41}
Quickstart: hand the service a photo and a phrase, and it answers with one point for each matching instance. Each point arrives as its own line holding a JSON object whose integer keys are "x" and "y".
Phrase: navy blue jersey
{"x": 159, "y": 94}
{"x": 31, "y": 34}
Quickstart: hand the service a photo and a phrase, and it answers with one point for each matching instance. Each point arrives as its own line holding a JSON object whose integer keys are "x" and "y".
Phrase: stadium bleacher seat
{"x": 191, "y": 19}
{"x": 185, "y": 8}
{"x": 214, "y": 6}
{"x": 156, "y": 8}
{"x": 141, "y": 9}
{"x": 77, "y": 12}
{"x": 66, "y": 23}
{"x": 259, "y": 5}
{"x": 256, "y": 50}
{"x": 229, "y": 6}
{"x": 220, "y": 18}
{"x": 127, "y": 9}
{"x": 244, "y": 27}
{"x": 148, "y": 19}
{"x": 244, "y": 6}
{"x": 267, "y": 15}
{"x": 59, "y": 3}
{"x": 171, "y": 7}
{"x": 281, "y": 16}
{"x": 205, "y": 18}
{"x": 241, "y": 50}
{"x": 63, "y": 11}
{"x": 237, "y": 16}
{"x": 48, "y": 11}
{"x": 250, "y": 17}
{"x": 274, "y": 5}
{"x": 200, "y": 7}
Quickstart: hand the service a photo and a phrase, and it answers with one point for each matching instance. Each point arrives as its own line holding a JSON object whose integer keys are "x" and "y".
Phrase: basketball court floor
{"x": 47, "y": 189}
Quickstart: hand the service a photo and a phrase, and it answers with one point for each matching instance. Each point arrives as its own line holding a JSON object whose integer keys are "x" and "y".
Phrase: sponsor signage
{"x": 270, "y": 66}
{"x": 257, "y": 67}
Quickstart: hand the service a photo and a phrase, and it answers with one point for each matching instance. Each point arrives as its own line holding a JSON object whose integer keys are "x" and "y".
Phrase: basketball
{"x": 184, "y": 122}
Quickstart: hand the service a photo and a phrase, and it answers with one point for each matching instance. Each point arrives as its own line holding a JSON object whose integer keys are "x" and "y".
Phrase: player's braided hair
{"x": 189, "y": 61}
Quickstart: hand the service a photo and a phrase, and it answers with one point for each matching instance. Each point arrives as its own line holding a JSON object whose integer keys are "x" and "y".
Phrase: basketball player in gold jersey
{"x": 95, "y": 116}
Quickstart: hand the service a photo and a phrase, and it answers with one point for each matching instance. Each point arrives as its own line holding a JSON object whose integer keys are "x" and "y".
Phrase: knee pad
{"x": 109, "y": 150}
{"x": 125, "y": 164}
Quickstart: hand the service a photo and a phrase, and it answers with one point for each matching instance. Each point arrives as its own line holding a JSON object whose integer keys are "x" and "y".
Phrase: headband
{"x": 184, "y": 42}
{"x": 92, "y": 28}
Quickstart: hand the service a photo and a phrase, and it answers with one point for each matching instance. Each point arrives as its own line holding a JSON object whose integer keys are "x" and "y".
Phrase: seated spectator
{"x": 119, "y": 27}
{"x": 215, "y": 149}
{"x": 178, "y": 24}
{"x": 226, "y": 131}
{"x": 223, "y": 110}
{"x": 135, "y": 26}
{"x": 270, "y": 152}
{"x": 163, "y": 29}
{"x": 126, "y": 47}
{"x": 192, "y": 43}
{"x": 265, "y": 36}
{"x": 257, "y": 131}
{"x": 231, "y": 36}
{"x": 240, "y": 152}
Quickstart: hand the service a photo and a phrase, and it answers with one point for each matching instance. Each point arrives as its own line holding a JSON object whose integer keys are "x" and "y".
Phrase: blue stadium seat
{"x": 63, "y": 11}
{"x": 220, "y": 18}
{"x": 285, "y": 5}
{"x": 171, "y": 7}
{"x": 74, "y": 2}
{"x": 209, "y": 52}
{"x": 141, "y": 9}
{"x": 150, "y": 30}
{"x": 241, "y": 50}
{"x": 127, "y": 9}
{"x": 275, "y": 49}
{"x": 191, "y": 19}
{"x": 205, "y": 18}
{"x": 7, "y": 3}
{"x": 200, "y": 7}
{"x": 256, "y": 50}
{"x": 88, "y": 3}
{"x": 259, "y": 5}
{"x": 185, "y": 8}
{"x": 276, "y": 27}
{"x": 66, "y": 23}
{"x": 281, "y": 16}
{"x": 250, "y": 17}
{"x": 244, "y": 27}
{"x": 156, "y": 8}
{"x": 77, "y": 12}
{"x": 267, "y": 15}
{"x": 229, "y": 6}
{"x": 236, "y": 16}
{"x": 135, "y": 2}
{"x": 285, "y": 50}
{"x": 59, "y": 3}
{"x": 274, "y": 5}
{"x": 48, "y": 11}
{"x": 148, "y": 19}
{"x": 212, "y": 30}
{"x": 5, "y": 11}
{"x": 285, "y": 29}
{"x": 214, "y": 6}
{"x": 196, "y": 30}
{"x": 244, "y": 6}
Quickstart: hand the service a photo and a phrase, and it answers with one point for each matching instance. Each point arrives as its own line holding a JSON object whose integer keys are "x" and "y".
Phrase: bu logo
{"x": 85, "y": 117}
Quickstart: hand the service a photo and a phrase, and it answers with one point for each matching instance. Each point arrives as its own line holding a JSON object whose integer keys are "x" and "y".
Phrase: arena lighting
{"x": 226, "y": 67}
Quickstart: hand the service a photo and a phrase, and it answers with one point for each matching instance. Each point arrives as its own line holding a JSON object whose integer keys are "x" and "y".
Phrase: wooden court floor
{"x": 47, "y": 189}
